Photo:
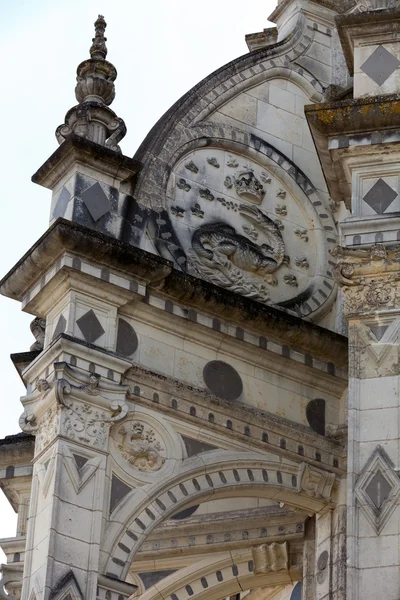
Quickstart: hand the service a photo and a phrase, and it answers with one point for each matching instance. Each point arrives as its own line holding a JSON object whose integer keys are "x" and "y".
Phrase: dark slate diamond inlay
{"x": 380, "y": 196}
{"x": 90, "y": 326}
{"x": 96, "y": 201}
{"x": 379, "y": 330}
{"x": 62, "y": 203}
{"x": 60, "y": 327}
{"x": 380, "y": 65}
{"x": 378, "y": 490}
{"x": 151, "y": 578}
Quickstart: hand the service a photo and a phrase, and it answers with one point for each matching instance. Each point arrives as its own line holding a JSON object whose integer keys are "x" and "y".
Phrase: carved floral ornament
{"x": 242, "y": 228}
{"x": 370, "y": 278}
{"x": 79, "y": 412}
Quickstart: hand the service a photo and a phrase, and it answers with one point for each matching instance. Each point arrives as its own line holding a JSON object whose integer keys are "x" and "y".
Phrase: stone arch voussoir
{"x": 219, "y": 475}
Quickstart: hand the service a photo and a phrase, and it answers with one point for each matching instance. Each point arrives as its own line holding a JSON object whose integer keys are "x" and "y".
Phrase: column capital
{"x": 75, "y": 405}
{"x": 369, "y": 278}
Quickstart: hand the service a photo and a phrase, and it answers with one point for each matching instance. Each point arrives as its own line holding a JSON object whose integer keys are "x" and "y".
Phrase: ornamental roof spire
{"x": 99, "y": 48}
{"x": 95, "y": 91}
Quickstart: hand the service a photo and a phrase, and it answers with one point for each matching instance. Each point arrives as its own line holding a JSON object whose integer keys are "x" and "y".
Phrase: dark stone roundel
{"x": 127, "y": 341}
{"x": 223, "y": 380}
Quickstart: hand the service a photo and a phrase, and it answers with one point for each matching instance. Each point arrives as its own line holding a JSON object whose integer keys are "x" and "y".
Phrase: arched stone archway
{"x": 219, "y": 475}
{"x": 219, "y": 576}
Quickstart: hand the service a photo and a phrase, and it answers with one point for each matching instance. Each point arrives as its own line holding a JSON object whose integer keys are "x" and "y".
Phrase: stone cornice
{"x": 155, "y": 271}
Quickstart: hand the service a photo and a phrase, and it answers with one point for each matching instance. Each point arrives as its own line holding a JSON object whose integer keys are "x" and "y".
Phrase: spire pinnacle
{"x": 92, "y": 119}
{"x": 99, "y": 49}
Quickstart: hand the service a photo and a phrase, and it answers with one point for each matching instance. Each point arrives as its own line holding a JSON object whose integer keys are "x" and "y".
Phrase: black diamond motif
{"x": 96, "y": 201}
{"x": 380, "y": 196}
{"x": 62, "y": 203}
{"x": 378, "y": 490}
{"x": 380, "y": 65}
{"x": 90, "y": 326}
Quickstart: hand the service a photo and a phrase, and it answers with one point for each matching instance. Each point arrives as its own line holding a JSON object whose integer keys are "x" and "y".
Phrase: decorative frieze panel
{"x": 224, "y": 211}
{"x": 377, "y": 489}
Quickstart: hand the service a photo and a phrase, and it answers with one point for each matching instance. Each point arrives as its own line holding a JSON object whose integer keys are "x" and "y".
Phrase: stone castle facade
{"x": 212, "y": 400}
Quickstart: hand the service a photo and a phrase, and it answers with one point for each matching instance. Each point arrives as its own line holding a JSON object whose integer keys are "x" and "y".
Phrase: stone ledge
{"x": 159, "y": 273}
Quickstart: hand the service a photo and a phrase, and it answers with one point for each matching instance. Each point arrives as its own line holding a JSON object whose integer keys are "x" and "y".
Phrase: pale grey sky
{"x": 160, "y": 49}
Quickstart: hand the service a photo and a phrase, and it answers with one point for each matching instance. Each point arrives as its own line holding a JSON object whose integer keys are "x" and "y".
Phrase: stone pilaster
{"x": 70, "y": 415}
{"x": 370, "y": 280}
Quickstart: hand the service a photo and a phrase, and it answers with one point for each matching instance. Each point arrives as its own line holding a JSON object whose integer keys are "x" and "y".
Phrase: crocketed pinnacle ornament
{"x": 95, "y": 91}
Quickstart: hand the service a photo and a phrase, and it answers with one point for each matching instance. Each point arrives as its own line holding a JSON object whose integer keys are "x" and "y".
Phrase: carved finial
{"x": 99, "y": 49}
{"x": 95, "y": 91}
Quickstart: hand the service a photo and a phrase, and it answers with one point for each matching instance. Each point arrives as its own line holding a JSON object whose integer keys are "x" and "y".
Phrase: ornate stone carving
{"x": 92, "y": 118}
{"x": 183, "y": 185}
{"x": 207, "y": 195}
{"x": 271, "y": 558}
{"x": 38, "y": 329}
{"x": 370, "y": 278}
{"x": 190, "y": 166}
{"x": 213, "y": 162}
{"x": 85, "y": 422}
{"x": 197, "y": 212}
{"x": 228, "y": 183}
{"x": 281, "y": 194}
{"x": 302, "y": 262}
{"x": 281, "y": 210}
{"x": 228, "y": 258}
{"x": 265, "y": 178}
{"x": 316, "y": 482}
{"x": 178, "y": 211}
{"x": 291, "y": 280}
{"x": 140, "y": 447}
{"x": 232, "y": 162}
{"x": 302, "y": 234}
{"x": 247, "y": 186}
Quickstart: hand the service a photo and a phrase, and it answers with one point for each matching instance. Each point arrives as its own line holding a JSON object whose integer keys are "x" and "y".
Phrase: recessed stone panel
{"x": 194, "y": 447}
{"x": 80, "y": 461}
{"x": 223, "y": 380}
{"x": 153, "y": 577}
{"x": 379, "y": 331}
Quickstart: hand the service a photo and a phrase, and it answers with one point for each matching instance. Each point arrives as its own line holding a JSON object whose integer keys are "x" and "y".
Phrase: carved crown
{"x": 247, "y": 186}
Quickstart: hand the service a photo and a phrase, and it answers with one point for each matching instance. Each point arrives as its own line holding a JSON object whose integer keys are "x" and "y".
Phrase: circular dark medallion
{"x": 127, "y": 341}
{"x": 223, "y": 380}
{"x": 323, "y": 561}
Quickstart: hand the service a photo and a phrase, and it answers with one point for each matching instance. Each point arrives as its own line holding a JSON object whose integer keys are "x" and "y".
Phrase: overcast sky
{"x": 160, "y": 48}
